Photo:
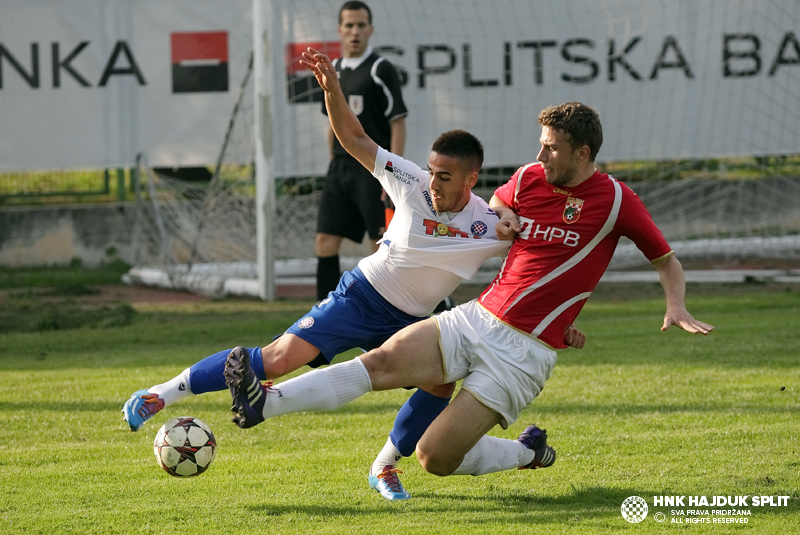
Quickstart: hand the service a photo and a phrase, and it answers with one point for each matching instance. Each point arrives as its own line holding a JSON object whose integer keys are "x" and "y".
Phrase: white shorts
{"x": 505, "y": 369}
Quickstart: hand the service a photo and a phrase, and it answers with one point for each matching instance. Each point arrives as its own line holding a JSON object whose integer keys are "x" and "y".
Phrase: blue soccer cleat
{"x": 247, "y": 393}
{"x": 535, "y": 439}
{"x": 140, "y": 407}
{"x": 388, "y": 485}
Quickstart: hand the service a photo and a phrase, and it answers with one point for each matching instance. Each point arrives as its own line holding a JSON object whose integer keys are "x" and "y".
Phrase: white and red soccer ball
{"x": 184, "y": 447}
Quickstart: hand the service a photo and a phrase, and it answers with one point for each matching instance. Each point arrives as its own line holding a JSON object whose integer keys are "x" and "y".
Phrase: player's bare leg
{"x": 287, "y": 354}
{"x": 448, "y": 439}
{"x": 410, "y": 357}
{"x": 456, "y": 442}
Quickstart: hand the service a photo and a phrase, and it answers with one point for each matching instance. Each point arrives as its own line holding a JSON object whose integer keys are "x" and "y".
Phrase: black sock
{"x": 327, "y": 275}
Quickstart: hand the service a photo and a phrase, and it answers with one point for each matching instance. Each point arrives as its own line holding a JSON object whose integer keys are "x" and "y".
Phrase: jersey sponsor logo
{"x": 436, "y": 228}
{"x": 430, "y": 202}
{"x": 534, "y": 231}
{"x": 306, "y": 322}
{"x": 572, "y": 211}
{"x": 478, "y": 228}
{"x": 405, "y": 177}
{"x": 356, "y": 103}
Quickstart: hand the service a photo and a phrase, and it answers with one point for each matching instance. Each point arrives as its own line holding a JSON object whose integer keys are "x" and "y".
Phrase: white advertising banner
{"x": 93, "y": 83}
{"x": 671, "y": 79}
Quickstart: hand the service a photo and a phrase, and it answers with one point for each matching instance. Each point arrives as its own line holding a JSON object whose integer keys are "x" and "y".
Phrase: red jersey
{"x": 567, "y": 240}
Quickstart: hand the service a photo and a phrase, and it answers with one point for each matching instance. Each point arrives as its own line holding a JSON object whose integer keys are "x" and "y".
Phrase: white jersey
{"x": 424, "y": 255}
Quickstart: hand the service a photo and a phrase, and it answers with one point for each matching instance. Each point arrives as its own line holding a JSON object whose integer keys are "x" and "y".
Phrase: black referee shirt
{"x": 373, "y": 92}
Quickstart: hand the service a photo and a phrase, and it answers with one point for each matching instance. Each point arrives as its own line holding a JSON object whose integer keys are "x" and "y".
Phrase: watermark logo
{"x": 634, "y": 509}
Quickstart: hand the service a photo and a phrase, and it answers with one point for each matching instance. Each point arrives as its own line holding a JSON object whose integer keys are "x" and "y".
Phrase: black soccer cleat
{"x": 535, "y": 439}
{"x": 247, "y": 392}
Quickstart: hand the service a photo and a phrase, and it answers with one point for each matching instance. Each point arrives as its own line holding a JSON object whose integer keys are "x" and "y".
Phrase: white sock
{"x": 319, "y": 390}
{"x": 492, "y": 454}
{"x": 174, "y": 389}
{"x": 389, "y": 456}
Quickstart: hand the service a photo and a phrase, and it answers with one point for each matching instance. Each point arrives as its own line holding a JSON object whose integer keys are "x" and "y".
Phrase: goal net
{"x": 698, "y": 102}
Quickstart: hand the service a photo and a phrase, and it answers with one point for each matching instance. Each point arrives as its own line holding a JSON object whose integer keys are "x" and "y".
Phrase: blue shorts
{"x": 353, "y": 315}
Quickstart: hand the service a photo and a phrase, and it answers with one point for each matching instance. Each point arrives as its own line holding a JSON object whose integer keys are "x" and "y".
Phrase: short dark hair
{"x": 355, "y": 5}
{"x": 580, "y": 122}
{"x": 462, "y": 145}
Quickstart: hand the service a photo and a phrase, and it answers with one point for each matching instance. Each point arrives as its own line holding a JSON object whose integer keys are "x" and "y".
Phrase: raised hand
{"x": 322, "y": 67}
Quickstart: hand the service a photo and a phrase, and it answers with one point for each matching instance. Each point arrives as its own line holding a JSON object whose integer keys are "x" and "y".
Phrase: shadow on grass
{"x": 491, "y": 507}
{"x": 583, "y": 504}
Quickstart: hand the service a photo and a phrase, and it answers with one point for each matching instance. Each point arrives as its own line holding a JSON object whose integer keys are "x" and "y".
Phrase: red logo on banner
{"x": 300, "y": 83}
{"x": 199, "y": 62}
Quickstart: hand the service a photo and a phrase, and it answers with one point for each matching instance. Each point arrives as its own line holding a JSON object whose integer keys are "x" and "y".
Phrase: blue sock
{"x": 414, "y": 418}
{"x": 208, "y": 374}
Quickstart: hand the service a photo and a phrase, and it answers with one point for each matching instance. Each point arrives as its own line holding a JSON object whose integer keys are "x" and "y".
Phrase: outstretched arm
{"x": 343, "y": 121}
{"x": 508, "y": 226}
{"x": 670, "y": 272}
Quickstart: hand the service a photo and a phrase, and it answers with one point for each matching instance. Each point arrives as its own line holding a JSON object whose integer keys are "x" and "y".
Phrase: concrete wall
{"x": 55, "y": 235}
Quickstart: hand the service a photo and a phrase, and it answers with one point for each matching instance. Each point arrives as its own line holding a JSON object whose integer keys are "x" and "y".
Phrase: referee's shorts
{"x": 351, "y": 202}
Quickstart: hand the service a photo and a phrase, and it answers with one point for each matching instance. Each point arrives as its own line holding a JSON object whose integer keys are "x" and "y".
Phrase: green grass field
{"x": 638, "y": 412}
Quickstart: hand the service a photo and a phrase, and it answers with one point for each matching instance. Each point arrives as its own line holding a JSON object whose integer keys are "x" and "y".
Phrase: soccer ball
{"x": 184, "y": 447}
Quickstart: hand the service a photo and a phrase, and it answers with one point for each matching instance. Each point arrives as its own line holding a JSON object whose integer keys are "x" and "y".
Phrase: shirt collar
{"x": 354, "y": 63}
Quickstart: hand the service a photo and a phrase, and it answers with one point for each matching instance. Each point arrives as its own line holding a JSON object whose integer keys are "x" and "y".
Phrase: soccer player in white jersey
{"x": 441, "y": 234}
{"x": 567, "y": 218}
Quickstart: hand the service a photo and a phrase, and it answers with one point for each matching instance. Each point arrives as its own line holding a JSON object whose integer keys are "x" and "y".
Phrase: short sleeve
{"x": 398, "y": 176}
{"x": 397, "y": 107}
{"x": 636, "y": 223}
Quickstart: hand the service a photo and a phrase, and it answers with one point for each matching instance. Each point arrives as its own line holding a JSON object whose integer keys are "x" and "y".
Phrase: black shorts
{"x": 351, "y": 202}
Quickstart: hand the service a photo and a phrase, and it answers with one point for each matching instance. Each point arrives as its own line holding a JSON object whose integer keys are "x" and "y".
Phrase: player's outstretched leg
{"x": 247, "y": 392}
{"x": 535, "y": 439}
{"x": 204, "y": 376}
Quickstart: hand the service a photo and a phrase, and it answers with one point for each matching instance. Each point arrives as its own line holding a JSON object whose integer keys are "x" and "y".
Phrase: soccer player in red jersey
{"x": 567, "y": 218}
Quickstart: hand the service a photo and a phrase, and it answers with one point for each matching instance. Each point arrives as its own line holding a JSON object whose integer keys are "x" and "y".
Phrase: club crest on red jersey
{"x": 572, "y": 211}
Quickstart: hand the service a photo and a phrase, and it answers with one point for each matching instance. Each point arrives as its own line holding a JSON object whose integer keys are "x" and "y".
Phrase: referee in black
{"x": 351, "y": 200}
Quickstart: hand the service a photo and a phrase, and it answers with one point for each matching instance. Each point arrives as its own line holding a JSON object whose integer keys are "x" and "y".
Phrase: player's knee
{"x": 277, "y": 363}
{"x": 378, "y": 364}
{"x": 435, "y": 462}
